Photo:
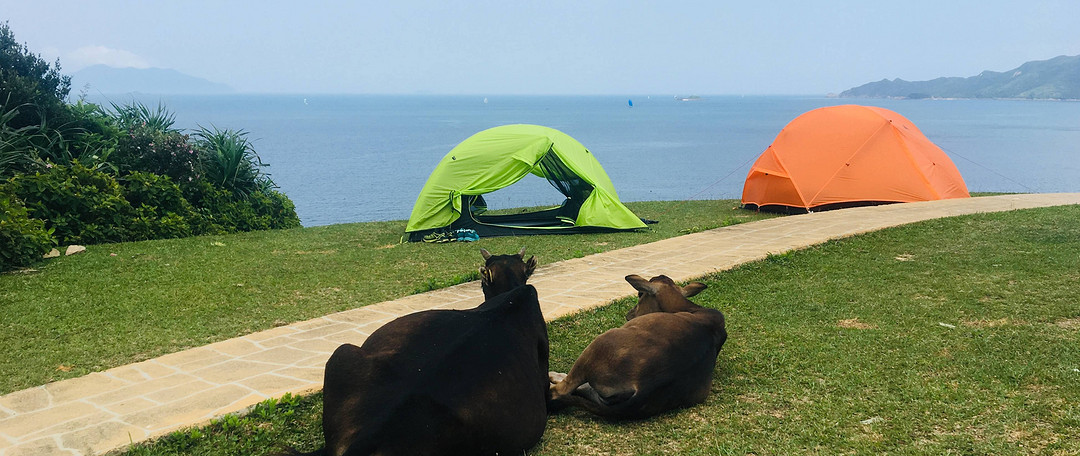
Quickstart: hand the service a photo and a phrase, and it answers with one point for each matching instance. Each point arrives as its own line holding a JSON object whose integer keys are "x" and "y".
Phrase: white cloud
{"x": 101, "y": 55}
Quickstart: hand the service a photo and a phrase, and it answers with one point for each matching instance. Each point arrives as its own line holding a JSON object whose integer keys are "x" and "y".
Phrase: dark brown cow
{"x": 502, "y": 273}
{"x": 442, "y": 382}
{"x": 661, "y": 359}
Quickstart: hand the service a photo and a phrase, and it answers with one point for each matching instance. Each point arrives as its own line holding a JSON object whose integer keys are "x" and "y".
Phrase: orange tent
{"x": 850, "y": 155}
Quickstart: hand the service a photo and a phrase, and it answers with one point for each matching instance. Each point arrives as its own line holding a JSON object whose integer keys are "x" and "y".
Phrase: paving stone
{"x": 319, "y": 345}
{"x": 187, "y": 411}
{"x": 129, "y": 374}
{"x": 177, "y": 392}
{"x": 270, "y": 385}
{"x": 39, "y": 447}
{"x": 347, "y": 337}
{"x": 271, "y": 333}
{"x": 278, "y": 355}
{"x": 240, "y": 405}
{"x": 154, "y": 369}
{"x": 129, "y": 406}
{"x": 25, "y": 424}
{"x": 192, "y": 359}
{"x": 311, "y": 374}
{"x": 140, "y": 389}
{"x": 322, "y": 330}
{"x": 81, "y": 387}
{"x": 318, "y": 360}
{"x": 314, "y": 323}
{"x": 231, "y": 371}
{"x": 27, "y": 400}
{"x": 102, "y": 438}
{"x": 235, "y": 347}
{"x": 60, "y": 427}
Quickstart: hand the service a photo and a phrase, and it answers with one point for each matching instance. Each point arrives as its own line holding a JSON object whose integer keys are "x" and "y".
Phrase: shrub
{"x": 160, "y": 208}
{"x": 81, "y": 205}
{"x": 23, "y": 240}
{"x": 277, "y": 207}
{"x": 223, "y": 211}
{"x": 168, "y": 153}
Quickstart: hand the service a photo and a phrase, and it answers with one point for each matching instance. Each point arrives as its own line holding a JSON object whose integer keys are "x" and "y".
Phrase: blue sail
{"x": 630, "y": 102}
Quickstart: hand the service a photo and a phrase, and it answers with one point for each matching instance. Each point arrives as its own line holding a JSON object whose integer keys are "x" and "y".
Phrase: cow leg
{"x": 573, "y": 389}
{"x": 556, "y": 377}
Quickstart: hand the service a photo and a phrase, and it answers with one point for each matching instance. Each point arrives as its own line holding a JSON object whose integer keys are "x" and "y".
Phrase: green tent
{"x": 498, "y": 157}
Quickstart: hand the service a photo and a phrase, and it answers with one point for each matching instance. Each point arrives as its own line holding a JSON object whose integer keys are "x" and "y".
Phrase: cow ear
{"x": 485, "y": 276}
{"x": 530, "y": 266}
{"x": 640, "y": 284}
{"x": 484, "y": 253}
{"x": 693, "y": 288}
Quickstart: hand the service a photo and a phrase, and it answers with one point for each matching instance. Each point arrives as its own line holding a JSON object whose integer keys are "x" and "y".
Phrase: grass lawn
{"x": 951, "y": 336}
{"x": 121, "y": 303}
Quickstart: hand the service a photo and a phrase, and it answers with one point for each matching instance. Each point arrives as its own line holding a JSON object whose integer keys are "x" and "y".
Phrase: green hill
{"x": 1057, "y": 78}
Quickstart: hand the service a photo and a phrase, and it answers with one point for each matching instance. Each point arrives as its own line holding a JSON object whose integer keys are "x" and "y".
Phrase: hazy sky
{"x": 549, "y": 47}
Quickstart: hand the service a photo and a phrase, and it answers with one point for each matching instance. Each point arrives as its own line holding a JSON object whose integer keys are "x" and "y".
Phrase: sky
{"x": 549, "y": 47}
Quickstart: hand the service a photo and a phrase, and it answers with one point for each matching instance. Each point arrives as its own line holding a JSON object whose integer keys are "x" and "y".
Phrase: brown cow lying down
{"x": 661, "y": 359}
{"x": 442, "y": 382}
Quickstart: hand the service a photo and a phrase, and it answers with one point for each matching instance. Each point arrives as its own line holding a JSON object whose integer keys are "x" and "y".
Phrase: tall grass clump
{"x": 137, "y": 114}
{"x": 231, "y": 161}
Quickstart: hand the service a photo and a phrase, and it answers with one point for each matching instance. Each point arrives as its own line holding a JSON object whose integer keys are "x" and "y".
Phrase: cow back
{"x": 443, "y": 382}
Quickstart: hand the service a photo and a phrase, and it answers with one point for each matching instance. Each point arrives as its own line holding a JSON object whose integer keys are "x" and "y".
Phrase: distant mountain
{"x": 1057, "y": 78}
{"x": 109, "y": 80}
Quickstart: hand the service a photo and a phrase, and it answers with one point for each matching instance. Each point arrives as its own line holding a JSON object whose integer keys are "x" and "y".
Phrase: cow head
{"x": 502, "y": 273}
{"x": 661, "y": 294}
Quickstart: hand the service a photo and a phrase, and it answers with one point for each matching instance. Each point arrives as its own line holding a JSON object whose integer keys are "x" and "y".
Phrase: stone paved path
{"x": 106, "y": 410}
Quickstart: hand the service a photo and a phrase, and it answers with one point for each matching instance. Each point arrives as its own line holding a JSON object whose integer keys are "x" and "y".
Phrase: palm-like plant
{"x": 136, "y": 114}
{"x": 231, "y": 161}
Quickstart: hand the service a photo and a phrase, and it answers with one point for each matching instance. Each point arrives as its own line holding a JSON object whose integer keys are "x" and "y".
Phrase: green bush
{"x": 224, "y": 211}
{"x": 82, "y": 205}
{"x": 87, "y": 206}
{"x": 160, "y": 208}
{"x": 23, "y": 240}
{"x": 168, "y": 153}
{"x": 278, "y": 207}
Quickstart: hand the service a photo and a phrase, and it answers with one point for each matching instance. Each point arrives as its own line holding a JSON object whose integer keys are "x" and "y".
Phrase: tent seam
{"x": 847, "y": 161}
{"x": 789, "y": 176}
{"x": 915, "y": 165}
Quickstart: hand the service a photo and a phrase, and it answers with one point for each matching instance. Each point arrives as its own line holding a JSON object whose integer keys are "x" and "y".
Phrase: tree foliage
{"x": 28, "y": 80}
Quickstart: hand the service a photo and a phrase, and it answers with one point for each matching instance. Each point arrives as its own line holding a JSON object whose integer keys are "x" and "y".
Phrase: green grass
{"x": 121, "y": 303}
{"x": 951, "y": 336}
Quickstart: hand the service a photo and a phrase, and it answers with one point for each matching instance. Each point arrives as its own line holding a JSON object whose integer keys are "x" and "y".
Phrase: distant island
{"x": 1054, "y": 79}
{"x": 110, "y": 80}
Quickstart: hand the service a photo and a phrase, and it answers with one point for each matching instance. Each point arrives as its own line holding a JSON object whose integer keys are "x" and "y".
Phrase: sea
{"x": 359, "y": 158}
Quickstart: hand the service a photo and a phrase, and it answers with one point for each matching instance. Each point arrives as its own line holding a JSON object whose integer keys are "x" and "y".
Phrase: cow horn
{"x": 485, "y": 254}
{"x": 521, "y": 253}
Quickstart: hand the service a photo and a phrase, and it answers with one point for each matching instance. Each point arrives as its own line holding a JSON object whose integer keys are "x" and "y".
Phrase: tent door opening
{"x": 551, "y": 168}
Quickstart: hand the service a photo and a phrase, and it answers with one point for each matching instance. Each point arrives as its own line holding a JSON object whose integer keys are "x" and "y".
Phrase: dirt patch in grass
{"x": 1069, "y": 323}
{"x": 854, "y": 323}
{"x": 985, "y": 323}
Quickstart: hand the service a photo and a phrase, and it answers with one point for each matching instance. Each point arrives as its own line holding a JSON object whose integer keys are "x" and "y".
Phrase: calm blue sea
{"x": 356, "y": 158}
